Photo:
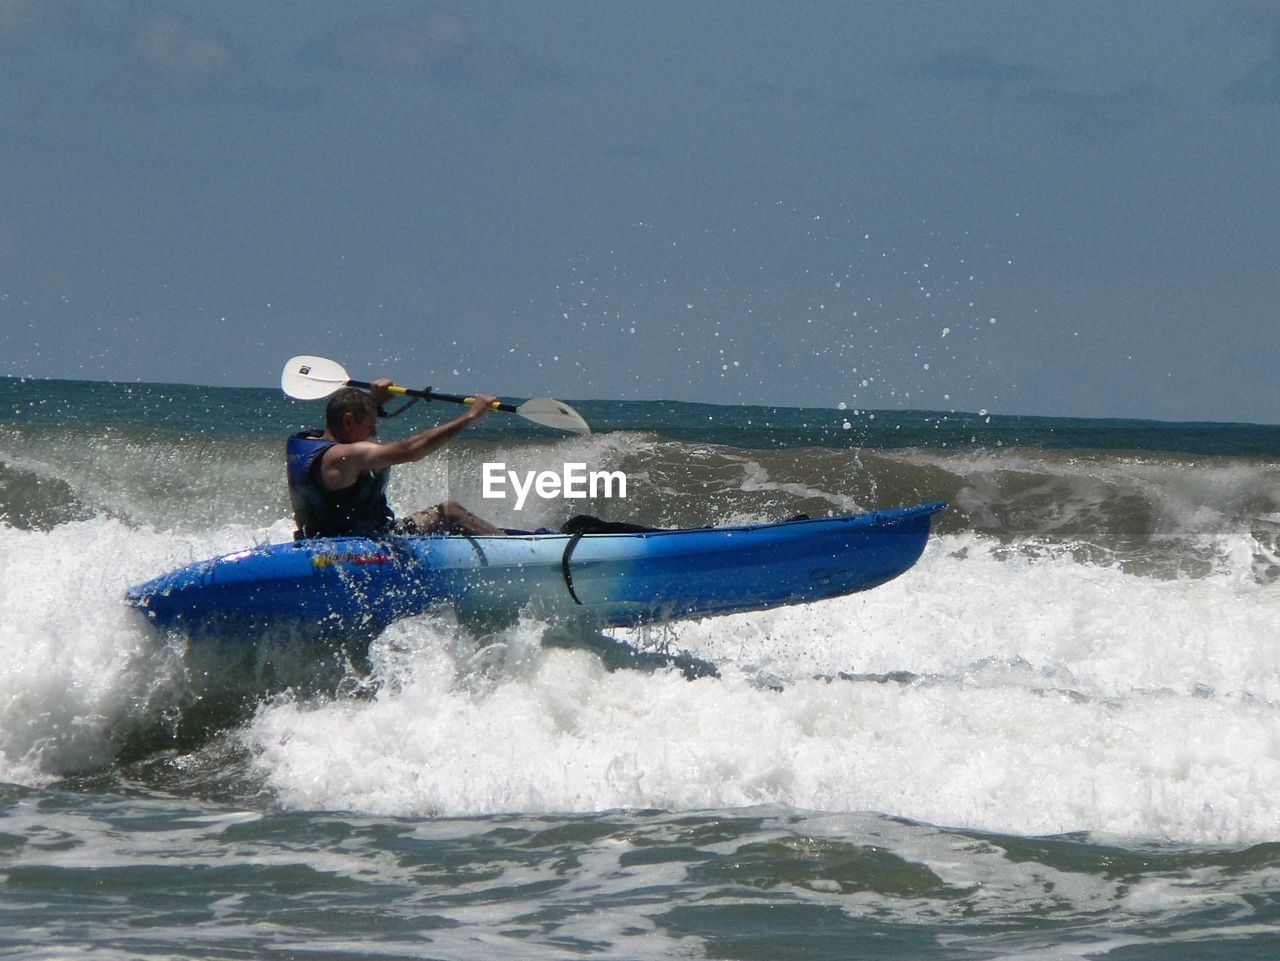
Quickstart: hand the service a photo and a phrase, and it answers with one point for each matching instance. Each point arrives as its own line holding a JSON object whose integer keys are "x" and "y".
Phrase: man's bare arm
{"x": 343, "y": 463}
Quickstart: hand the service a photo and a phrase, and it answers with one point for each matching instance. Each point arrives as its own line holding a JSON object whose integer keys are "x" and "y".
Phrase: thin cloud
{"x": 770, "y": 95}
{"x": 440, "y": 45}
{"x": 144, "y": 52}
{"x": 974, "y": 66}
{"x": 1082, "y": 115}
{"x": 165, "y": 55}
{"x": 1261, "y": 85}
{"x": 173, "y": 46}
{"x": 25, "y": 25}
{"x": 27, "y": 18}
{"x": 1096, "y": 117}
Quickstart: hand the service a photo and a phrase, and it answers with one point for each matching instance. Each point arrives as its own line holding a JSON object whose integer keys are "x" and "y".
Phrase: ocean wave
{"x": 1031, "y": 691}
{"x": 1158, "y": 514}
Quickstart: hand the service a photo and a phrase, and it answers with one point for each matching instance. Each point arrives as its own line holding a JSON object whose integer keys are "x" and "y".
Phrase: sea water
{"x": 1057, "y": 736}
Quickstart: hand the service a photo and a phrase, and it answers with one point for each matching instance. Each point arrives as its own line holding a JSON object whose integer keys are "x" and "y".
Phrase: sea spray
{"x": 79, "y": 673}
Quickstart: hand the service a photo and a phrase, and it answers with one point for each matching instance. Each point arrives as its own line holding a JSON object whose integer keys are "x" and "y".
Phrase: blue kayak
{"x": 345, "y": 586}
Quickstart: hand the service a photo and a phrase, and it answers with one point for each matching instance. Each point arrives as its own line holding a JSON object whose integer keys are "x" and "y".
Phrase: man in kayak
{"x": 338, "y": 476}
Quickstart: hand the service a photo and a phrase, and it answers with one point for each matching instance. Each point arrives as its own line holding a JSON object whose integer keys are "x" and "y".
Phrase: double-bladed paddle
{"x": 309, "y": 378}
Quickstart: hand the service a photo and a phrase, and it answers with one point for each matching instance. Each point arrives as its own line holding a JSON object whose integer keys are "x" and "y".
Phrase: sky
{"x": 1027, "y": 207}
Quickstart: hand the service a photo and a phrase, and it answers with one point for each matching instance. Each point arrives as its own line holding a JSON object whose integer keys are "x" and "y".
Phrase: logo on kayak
{"x": 360, "y": 560}
{"x": 573, "y": 482}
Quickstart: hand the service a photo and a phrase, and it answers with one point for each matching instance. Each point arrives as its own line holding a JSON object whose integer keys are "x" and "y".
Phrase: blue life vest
{"x": 360, "y": 510}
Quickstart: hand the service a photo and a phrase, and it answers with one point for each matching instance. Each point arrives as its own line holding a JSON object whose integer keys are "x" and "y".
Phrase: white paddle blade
{"x": 309, "y": 378}
{"x": 553, "y": 413}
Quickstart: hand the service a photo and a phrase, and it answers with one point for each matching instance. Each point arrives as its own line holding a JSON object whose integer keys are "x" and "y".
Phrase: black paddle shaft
{"x": 429, "y": 394}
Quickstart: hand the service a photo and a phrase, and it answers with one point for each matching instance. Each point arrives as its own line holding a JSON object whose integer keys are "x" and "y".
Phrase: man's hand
{"x": 482, "y": 405}
{"x": 381, "y": 390}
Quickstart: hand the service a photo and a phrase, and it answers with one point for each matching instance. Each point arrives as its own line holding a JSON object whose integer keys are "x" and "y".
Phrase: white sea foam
{"x": 78, "y": 667}
{"x": 1044, "y": 695}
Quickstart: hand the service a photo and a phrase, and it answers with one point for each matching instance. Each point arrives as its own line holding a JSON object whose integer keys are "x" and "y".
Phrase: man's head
{"x": 350, "y": 408}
